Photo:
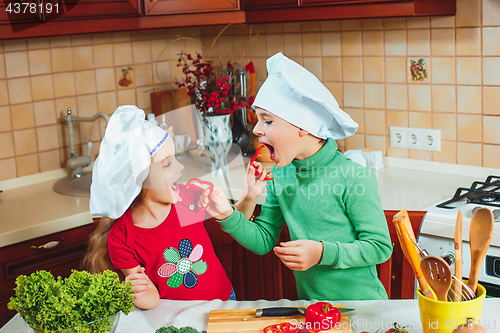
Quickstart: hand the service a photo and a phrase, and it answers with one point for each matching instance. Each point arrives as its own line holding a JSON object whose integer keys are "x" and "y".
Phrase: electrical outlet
{"x": 415, "y": 138}
{"x": 431, "y": 140}
{"x": 397, "y": 137}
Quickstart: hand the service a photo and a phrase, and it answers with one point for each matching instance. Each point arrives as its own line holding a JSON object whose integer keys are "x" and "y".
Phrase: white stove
{"x": 438, "y": 228}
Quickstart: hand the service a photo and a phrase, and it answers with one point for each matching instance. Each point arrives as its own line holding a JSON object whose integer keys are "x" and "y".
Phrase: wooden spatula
{"x": 480, "y": 232}
{"x": 457, "y": 287}
{"x": 437, "y": 273}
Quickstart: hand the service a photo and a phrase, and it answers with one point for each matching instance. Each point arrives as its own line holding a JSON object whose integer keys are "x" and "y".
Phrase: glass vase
{"x": 218, "y": 140}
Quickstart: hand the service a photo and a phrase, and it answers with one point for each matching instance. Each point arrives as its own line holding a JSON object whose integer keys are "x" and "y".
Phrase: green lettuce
{"x": 52, "y": 304}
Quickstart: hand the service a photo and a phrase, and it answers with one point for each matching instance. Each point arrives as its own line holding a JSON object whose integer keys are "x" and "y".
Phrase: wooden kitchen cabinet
{"x": 66, "y": 253}
{"x": 156, "y": 7}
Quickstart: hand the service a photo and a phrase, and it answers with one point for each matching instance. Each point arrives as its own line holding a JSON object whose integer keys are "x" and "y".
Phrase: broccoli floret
{"x": 188, "y": 329}
{"x": 170, "y": 329}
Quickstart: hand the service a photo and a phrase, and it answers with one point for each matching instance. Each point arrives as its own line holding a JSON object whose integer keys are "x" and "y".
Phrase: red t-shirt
{"x": 178, "y": 255}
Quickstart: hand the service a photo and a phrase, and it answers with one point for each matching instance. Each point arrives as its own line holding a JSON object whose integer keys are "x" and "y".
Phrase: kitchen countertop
{"x": 368, "y": 315}
{"x": 32, "y": 209}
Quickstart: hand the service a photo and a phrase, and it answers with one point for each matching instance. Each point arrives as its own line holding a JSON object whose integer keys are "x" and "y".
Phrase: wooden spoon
{"x": 480, "y": 232}
{"x": 457, "y": 287}
{"x": 437, "y": 273}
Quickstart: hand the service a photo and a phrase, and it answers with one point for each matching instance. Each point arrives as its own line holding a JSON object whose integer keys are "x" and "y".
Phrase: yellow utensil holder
{"x": 439, "y": 316}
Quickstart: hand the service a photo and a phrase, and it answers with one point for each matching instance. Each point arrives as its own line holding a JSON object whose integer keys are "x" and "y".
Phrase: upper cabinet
{"x": 43, "y": 18}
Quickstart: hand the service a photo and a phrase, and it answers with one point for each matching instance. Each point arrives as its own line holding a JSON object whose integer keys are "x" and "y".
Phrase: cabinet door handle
{"x": 47, "y": 246}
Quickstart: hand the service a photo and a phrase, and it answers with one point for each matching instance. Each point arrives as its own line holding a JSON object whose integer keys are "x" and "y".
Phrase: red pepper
{"x": 281, "y": 328}
{"x": 201, "y": 183}
{"x": 322, "y": 316}
{"x": 269, "y": 176}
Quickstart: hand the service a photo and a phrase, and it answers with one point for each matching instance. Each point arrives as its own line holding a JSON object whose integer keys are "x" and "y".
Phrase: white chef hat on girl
{"x": 294, "y": 94}
{"x": 124, "y": 159}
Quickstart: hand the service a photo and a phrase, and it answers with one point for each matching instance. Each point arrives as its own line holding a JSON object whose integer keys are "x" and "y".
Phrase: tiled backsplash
{"x": 365, "y": 64}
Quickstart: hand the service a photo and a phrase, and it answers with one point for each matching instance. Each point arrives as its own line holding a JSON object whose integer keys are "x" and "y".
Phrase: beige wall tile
{"x": 4, "y": 97}
{"x": 81, "y": 40}
{"x": 103, "y": 55}
{"x": 87, "y": 107}
{"x": 491, "y": 156}
{"x": 22, "y": 116}
{"x": 468, "y": 99}
{"x": 209, "y": 51}
{"x": 83, "y": 57}
{"x": 352, "y": 69}
{"x": 102, "y": 39}
{"x": 395, "y": 69}
{"x": 107, "y": 102}
{"x": 143, "y": 76}
{"x": 350, "y": 25}
{"x": 141, "y": 51}
{"x": 277, "y": 27}
{"x": 8, "y": 168}
{"x": 447, "y": 154}
{"x": 126, "y": 97}
{"x": 491, "y": 100}
{"x": 159, "y": 48}
{"x": 27, "y": 165}
{"x": 64, "y": 84}
{"x": 419, "y": 119}
{"x": 491, "y": 134}
{"x": 49, "y": 160}
{"x": 355, "y": 141}
{"x": 6, "y": 145}
{"x": 375, "y": 122}
{"x": 373, "y": 43}
{"x": 141, "y": 35}
{"x": 123, "y": 54}
{"x": 291, "y": 27}
{"x": 306, "y": 26}
{"x": 395, "y": 24}
{"x": 419, "y": 42}
{"x": 469, "y": 128}
{"x": 374, "y": 95}
{"x": 491, "y": 12}
{"x": 105, "y": 78}
{"x": 353, "y": 95}
{"x": 421, "y": 155}
{"x": 274, "y": 44}
{"x": 313, "y": 65}
{"x": 47, "y": 137}
{"x": 5, "y": 121}
{"x": 62, "y": 105}
{"x": 45, "y": 112}
{"x": 397, "y": 118}
{"x": 2, "y": 66}
{"x": 491, "y": 41}
{"x": 395, "y": 42}
{"x": 426, "y": 66}
{"x": 336, "y": 90}
{"x": 240, "y": 47}
{"x": 311, "y": 44}
{"x": 144, "y": 98}
{"x": 468, "y": 41}
{"x": 60, "y": 41}
{"x": 330, "y": 25}
{"x": 14, "y": 45}
{"x": 397, "y": 96}
{"x": 443, "y": 98}
{"x": 443, "y": 70}
{"x": 62, "y": 59}
{"x": 357, "y": 116}
{"x": 332, "y": 69}
{"x": 19, "y": 90}
{"x": 491, "y": 71}
{"x": 469, "y": 153}
{"x": 25, "y": 141}
{"x": 397, "y": 152}
{"x": 376, "y": 142}
{"x": 373, "y": 69}
{"x": 38, "y": 43}
{"x": 468, "y": 13}
{"x": 85, "y": 82}
{"x": 446, "y": 122}
{"x": 161, "y": 72}
{"x": 122, "y": 37}
{"x": 351, "y": 43}
{"x": 16, "y": 64}
{"x": 42, "y": 87}
{"x": 372, "y": 24}
{"x": 419, "y": 97}
{"x": 40, "y": 62}
{"x": 443, "y": 42}
{"x": 330, "y": 44}
{"x": 292, "y": 44}
{"x": 224, "y": 46}
{"x": 443, "y": 22}
{"x": 417, "y": 23}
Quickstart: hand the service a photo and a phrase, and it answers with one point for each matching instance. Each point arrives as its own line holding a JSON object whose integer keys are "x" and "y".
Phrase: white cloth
{"x": 294, "y": 94}
{"x": 123, "y": 162}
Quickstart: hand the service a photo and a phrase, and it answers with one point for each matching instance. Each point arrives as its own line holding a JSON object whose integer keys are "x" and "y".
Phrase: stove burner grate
{"x": 485, "y": 193}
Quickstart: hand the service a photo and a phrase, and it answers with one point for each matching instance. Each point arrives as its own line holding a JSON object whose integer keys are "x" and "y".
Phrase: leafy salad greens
{"x": 52, "y": 304}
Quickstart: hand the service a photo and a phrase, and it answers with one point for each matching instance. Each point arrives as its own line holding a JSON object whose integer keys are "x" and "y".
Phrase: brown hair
{"x": 97, "y": 259}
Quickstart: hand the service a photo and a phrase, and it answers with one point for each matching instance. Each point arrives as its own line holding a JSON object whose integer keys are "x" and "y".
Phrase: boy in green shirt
{"x": 330, "y": 204}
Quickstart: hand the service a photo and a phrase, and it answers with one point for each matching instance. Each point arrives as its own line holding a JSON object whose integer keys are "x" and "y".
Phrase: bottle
{"x": 151, "y": 118}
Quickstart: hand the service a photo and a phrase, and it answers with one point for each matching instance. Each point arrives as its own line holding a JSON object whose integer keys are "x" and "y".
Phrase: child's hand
{"x": 216, "y": 203}
{"x": 299, "y": 255}
{"x": 255, "y": 185}
{"x": 140, "y": 282}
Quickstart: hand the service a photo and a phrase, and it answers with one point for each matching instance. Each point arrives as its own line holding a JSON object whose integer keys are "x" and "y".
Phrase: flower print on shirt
{"x": 183, "y": 265}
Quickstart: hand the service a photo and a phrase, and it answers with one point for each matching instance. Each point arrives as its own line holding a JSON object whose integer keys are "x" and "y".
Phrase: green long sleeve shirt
{"x": 333, "y": 200}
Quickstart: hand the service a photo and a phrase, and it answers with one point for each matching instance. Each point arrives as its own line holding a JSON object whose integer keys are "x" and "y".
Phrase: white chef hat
{"x": 124, "y": 159}
{"x": 294, "y": 94}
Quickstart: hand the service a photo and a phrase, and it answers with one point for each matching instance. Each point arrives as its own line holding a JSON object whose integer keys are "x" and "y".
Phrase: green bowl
{"x": 104, "y": 325}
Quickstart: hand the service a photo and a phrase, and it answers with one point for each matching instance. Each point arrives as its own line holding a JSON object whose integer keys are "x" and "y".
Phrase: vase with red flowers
{"x": 209, "y": 87}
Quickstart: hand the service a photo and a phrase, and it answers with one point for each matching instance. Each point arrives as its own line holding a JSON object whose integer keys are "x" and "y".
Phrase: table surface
{"x": 368, "y": 315}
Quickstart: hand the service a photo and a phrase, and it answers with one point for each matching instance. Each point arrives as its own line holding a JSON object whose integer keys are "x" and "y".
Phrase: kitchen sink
{"x": 78, "y": 187}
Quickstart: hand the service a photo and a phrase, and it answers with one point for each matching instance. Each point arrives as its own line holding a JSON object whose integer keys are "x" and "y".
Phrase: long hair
{"x": 97, "y": 259}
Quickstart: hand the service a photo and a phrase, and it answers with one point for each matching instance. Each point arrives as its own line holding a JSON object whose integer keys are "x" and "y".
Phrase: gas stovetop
{"x": 483, "y": 193}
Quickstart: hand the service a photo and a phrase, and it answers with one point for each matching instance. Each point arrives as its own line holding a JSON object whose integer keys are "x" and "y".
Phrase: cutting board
{"x": 222, "y": 321}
